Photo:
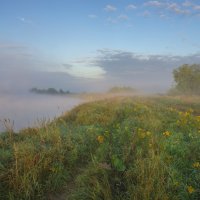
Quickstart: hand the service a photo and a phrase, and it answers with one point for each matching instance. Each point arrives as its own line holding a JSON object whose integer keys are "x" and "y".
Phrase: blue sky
{"x": 77, "y": 36}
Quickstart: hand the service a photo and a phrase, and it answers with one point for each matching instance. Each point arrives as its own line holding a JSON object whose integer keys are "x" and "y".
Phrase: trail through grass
{"x": 128, "y": 148}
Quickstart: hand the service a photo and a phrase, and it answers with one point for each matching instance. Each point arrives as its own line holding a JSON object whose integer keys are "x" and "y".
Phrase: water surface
{"x": 27, "y": 110}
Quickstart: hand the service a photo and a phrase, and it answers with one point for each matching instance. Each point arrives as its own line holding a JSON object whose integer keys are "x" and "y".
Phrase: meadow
{"x": 121, "y": 148}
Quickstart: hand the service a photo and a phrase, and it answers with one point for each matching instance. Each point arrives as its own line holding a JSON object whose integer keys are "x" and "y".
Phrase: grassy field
{"x": 122, "y": 148}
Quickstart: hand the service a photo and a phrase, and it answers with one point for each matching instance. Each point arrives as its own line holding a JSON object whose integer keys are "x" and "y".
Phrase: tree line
{"x": 186, "y": 77}
{"x": 51, "y": 91}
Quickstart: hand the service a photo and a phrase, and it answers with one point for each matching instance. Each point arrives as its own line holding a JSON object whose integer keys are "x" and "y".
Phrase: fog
{"x": 27, "y": 109}
{"x": 19, "y": 72}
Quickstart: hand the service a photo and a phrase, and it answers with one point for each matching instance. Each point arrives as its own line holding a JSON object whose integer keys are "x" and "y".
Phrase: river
{"x": 26, "y": 110}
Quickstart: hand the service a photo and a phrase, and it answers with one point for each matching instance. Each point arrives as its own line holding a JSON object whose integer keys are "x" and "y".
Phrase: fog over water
{"x": 19, "y": 71}
{"x": 25, "y": 110}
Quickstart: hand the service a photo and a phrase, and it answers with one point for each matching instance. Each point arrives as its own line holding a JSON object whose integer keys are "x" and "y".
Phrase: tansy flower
{"x": 167, "y": 133}
{"x": 142, "y": 135}
{"x": 196, "y": 165}
{"x": 190, "y": 189}
{"x": 180, "y": 113}
{"x": 148, "y": 133}
{"x": 186, "y": 114}
{"x": 191, "y": 110}
{"x": 100, "y": 139}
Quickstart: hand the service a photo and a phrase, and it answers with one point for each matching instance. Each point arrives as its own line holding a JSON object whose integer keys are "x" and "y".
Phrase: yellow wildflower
{"x": 167, "y": 133}
{"x": 172, "y": 109}
{"x": 148, "y": 133}
{"x": 191, "y": 110}
{"x": 187, "y": 114}
{"x": 196, "y": 165}
{"x": 100, "y": 139}
{"x": 190, "y": 189}
{"x": 142, "y": 135}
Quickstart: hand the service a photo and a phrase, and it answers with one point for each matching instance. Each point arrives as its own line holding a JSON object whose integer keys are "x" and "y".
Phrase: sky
{"x": 90, "y": 45}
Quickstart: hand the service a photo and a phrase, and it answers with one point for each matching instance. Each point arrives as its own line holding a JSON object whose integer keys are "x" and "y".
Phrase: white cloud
{"x": 163, "y": 16}
{"x": 131, "y": 7}
{"x": 173, "y": 6}
{"x": 111, "y": 20}
{"x": 129, "y": 25}
{"x": 146, "y": 13}
{"x": 110, "y": 8}
{"x": 84, "y": 71}
{"x": 196, "y": 7}
{"x": 154, "y": 3}
{"x": 123, "y": 17}
{"x": 177, "y": 9}
{"x": 187, "y": 3}
{"x": 92, "y": 16}
{"x": 22, "y": 19}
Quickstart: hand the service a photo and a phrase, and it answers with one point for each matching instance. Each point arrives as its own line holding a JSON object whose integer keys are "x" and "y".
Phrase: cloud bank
{"x": 20, "y": 70}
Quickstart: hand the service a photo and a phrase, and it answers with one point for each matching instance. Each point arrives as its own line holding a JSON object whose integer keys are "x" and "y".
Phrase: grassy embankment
{"x": 122, "y": 148}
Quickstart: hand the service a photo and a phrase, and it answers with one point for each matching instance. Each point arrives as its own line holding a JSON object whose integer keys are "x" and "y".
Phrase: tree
{"x": 187, "y": 78}
{"x": 51, "y": 91}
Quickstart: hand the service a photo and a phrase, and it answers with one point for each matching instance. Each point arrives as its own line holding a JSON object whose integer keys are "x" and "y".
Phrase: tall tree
{"x": 187, "y": 78}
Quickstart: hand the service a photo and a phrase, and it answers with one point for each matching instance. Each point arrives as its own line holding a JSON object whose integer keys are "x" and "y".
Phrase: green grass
{"x": 117, "y": 149}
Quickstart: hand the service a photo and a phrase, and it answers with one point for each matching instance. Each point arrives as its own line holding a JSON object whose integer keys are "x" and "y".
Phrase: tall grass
{"x": 123, "y": 148}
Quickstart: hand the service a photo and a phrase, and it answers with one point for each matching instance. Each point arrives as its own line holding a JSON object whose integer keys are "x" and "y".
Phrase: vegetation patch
{"x": 187, "y": 78}
{"x": 122, "y": 148}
